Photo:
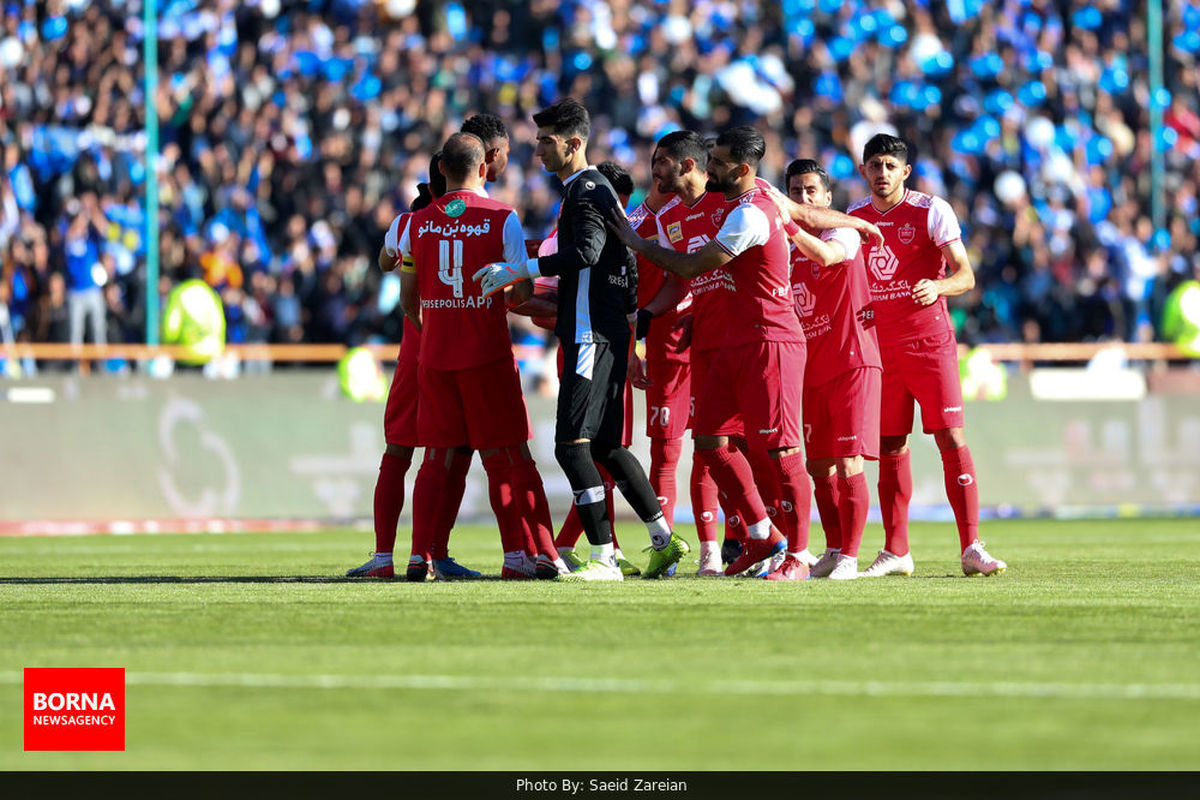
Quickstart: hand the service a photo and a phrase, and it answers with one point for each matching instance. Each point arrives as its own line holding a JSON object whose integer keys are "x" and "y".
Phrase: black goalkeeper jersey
{"x": 597, "y": 285}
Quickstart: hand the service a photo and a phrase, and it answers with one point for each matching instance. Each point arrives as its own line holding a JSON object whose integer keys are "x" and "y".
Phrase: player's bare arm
{"x": 816, "y": 249}
{"x": 685, "y": 265}
{"x": 817, "y": 218}
{"x": 387, "y": 263}
{"x": 960, "y": 280}
{"x": 673, "y": 290}
{"x": 410, "y": 296}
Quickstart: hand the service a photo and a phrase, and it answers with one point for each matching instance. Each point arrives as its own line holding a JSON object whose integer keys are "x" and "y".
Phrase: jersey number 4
{"x": 451, "y": 271}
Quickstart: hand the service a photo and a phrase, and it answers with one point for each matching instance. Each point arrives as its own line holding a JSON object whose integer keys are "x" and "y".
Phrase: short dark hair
{"x": 461, "y": 154}
{"x": 806, "y": 166}
{"x": 567, "y": 117}
{"x": 746, "y": 145}
{"x": 486, "y": 126}
{"x": 618, "y": 176}
{"x": 435, "y": 188}
{"x": 884, "y": 144}
{"x": 686, "y": 144}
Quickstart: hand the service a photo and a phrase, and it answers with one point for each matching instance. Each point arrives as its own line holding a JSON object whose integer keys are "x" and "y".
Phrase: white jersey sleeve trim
{"x": 745, "y": 227}
{"x": 391, "y": 239}
{"x": 514, "y": 239}
{"x": 846, "y": 237}
{"x": 943, "y": 223}
{"x": 405, "y": 246}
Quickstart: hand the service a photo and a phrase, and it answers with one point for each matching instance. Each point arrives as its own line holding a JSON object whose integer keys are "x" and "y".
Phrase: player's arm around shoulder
{"x": 832, "y": 247}
{"x": 687, "y": 265}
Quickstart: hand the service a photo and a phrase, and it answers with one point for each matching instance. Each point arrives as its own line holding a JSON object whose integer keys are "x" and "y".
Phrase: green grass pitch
{"x": 1084, "y": 656}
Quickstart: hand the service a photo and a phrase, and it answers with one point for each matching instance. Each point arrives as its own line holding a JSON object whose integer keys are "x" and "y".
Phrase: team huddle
{"x": 791, "y": 338}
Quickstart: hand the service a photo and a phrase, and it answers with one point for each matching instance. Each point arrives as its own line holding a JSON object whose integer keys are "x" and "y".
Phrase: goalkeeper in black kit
{"x": 597, "y": 293}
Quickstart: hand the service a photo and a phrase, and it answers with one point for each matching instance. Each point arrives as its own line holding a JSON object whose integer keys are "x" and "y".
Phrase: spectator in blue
{"x": 86, "y": 275}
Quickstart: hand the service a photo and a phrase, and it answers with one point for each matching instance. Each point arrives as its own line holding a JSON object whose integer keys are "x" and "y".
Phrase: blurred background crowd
{"x": 292, "y": 131}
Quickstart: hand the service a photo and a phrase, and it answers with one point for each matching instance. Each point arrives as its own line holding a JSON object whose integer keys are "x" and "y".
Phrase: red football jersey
{"x": 665, "y": 333}
{"x": 686, "y": 229}
{"x": 410, "y": 339}
{"x": 448, "y": 242}
{"x": 833, "y": 306}
{"x": 914, "y": 231}
{"x": 760, "y": 304}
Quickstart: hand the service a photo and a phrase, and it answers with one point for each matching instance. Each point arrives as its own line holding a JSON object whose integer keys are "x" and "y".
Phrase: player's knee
{"x": 849, "y": 467}
{"x": 893, "y": 445}
{"x": 950, "y": 438}
{"x": 573, "y": 457}
{"x": 603, "y": 453}
{"x": 399, "y": 451}
{"x": 820, "y": 467}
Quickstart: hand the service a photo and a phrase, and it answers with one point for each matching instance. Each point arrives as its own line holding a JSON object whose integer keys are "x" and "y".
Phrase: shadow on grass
{"x": 118, "y": 579}
{"x": 183, "y": 579}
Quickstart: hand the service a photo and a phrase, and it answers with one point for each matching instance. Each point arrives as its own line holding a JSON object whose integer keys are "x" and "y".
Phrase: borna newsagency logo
{"x": 74, "y": 708}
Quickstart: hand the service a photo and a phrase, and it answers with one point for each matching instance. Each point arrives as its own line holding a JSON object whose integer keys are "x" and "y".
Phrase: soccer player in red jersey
{"x": 664, "y": 325}
{"x": 909, "y": 284}
{"x": 841, "y": 379}
{"x": 687, "y": 223}
{"x": 758, "y": 371}
{"x": 400, "y": 434}
{"x": 470, "y": 390}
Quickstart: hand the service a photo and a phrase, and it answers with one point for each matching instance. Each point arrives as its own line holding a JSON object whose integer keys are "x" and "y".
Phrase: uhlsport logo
{"x": 884, "y": 263}
{"x": 75, "y": 709}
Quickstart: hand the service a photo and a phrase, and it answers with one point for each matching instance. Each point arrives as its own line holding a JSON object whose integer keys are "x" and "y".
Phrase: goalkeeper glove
{"x": 495, "y": 277}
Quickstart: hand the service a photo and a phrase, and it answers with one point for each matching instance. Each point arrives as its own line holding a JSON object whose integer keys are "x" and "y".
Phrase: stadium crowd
{"x": 292, "y": 131}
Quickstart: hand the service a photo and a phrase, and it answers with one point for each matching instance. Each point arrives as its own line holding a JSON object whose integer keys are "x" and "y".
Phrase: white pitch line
{"x": 1060, "y": 691}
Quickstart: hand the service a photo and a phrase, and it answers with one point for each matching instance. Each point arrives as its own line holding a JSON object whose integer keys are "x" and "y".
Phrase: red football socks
{"x": 535, "y": 511}
{"x": 428, "y": 491}
{"x": 795, "y": 504}
{"x": 502, "y": 497}
{"x": 853, "y": 504}
{"x": 704, "y": 500}
{"x": 963, "y": 492}
{"x": 825, "y": 491}
{"x": 895, "y": 490}
{"x": 450, "y": 502}
{"x": 766, "y": 479}
{"x": 389, "y": 499}
{"x": 664, "y": 458}
{"x": 731, "y": 471}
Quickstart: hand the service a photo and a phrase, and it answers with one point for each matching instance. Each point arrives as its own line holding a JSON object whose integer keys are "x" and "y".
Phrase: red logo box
{"x": 75, "y": 709}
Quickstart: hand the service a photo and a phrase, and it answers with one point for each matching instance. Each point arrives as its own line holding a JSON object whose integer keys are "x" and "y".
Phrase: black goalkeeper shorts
{"x": 591, "y": 393}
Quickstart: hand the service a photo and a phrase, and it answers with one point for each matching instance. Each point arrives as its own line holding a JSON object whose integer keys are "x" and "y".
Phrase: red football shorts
{"x": 841, "y": 416}
{"x": 761, "y": 383}
{"x": 668, "y": 397}
{"x": 701, "y": 365}
{"x": 400, "y": 414}
{"x": 481, "y": 407}
{"x": 924, "y": 370}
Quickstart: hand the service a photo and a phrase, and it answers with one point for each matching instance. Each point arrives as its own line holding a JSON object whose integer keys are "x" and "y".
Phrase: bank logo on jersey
{"x": 884, "y": 263}
{"x": 906, "y": 233}
{"x": 806, "y": 301}
{"x": 696, "y": 242}
{"x": 675, "y": 231}
{"x": 450, "y": 270}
